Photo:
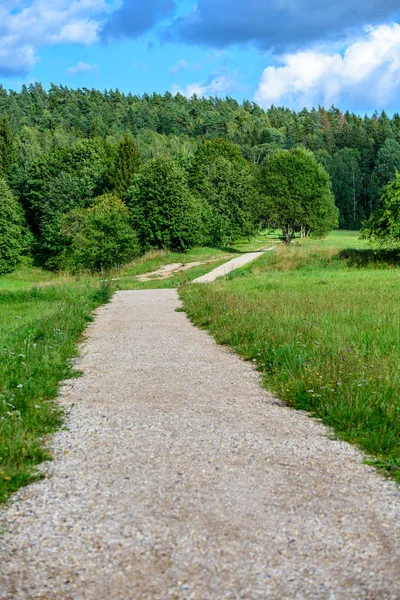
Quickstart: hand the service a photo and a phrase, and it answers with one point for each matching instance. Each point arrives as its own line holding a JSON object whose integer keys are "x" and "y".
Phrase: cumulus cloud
{"x": 277, "y": 24}
{"x": 82, "y": 67}
{"x": 367, "y": 74}
{"x": 214, "y": 86}
{"x": 26, "y": 26}
{"x": 135, "y": 17}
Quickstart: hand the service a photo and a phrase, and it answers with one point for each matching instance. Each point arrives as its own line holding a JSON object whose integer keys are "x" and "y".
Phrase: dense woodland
{"x": 86, "y": 175}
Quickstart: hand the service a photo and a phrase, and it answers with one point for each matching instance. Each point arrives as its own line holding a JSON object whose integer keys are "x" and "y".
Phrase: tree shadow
{"x": 230, "y": 250}
{"x": 370, "y": 258}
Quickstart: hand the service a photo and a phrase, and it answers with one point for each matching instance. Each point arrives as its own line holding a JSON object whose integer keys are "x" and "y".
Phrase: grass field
{"x": 321, "y": 319}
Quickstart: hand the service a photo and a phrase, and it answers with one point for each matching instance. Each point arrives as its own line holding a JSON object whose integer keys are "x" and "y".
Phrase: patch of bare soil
{"x": 168, "y": 271}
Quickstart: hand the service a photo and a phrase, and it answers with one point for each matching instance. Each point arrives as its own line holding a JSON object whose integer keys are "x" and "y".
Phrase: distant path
{"x": 231, "y": 265}
{"x": 180, "y": 478}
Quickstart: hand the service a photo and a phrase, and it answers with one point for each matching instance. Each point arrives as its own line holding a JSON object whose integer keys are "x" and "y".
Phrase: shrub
{"x": 99, "y": 237}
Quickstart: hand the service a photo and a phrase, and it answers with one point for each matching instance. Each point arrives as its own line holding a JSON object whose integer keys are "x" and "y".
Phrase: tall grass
{"x": 322, "y": 323}
{"x": 39, "y": 331}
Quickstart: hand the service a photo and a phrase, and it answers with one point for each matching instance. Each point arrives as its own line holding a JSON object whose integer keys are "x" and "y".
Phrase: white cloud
{"x": 82, "y": 67}
{"x": 213, "y": 87}
{"x": 367, "y": 72}
{"x": 25, "y": 27}
{"x": 181, "y": 64}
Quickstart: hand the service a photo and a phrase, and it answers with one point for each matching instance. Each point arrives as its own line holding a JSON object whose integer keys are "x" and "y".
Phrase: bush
{"x": 99, "y": 237}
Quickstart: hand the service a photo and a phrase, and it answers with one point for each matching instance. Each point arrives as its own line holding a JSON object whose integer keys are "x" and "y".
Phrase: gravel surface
{"x": 178, "y": 477}
{"x": 231, "y": 265}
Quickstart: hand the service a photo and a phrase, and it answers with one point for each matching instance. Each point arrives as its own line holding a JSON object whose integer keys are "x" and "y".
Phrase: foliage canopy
{"x": 383, "y": 227}
{"x": 297, "y": 194}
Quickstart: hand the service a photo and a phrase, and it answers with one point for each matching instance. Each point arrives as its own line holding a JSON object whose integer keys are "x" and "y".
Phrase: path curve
{"x": 231, "y": 265}
{"x": 180, "y": 478}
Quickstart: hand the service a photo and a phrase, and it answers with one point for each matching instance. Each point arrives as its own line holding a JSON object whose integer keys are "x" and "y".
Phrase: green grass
{"x": 24, "y": 277}
{"x": 321, "y": 320}
{"x": 39, "y": 331}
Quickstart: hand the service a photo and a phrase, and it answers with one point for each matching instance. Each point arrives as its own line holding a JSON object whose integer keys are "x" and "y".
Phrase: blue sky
{"x": 287, "y": 52}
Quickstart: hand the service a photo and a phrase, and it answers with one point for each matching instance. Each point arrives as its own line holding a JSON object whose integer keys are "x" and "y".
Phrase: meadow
{"x": 321, "y": 321}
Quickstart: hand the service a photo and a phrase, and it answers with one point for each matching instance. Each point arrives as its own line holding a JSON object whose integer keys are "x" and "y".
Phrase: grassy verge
{"x": 322, "y": 322}
{"x": 39, "y": 331}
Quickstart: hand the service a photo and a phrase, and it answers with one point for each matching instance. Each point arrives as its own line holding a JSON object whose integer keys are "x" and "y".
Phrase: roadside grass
{"x": 321, "y": 320}
{"x": 39, "y": 331}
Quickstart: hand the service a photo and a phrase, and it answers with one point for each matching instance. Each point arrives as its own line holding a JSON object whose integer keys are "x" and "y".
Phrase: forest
{"x": 91, "y": 179}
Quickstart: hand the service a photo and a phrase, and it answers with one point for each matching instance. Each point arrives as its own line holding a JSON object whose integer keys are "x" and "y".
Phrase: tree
{"x": 346, "y": 179}
{"x": 297, "y": 194}
{"x": 205, "y": 156}
{"x": 58, "y": 182}
{"x": 99, "y": 237}
{"x": 127, "y": 164}
{"x": 7, "y": 153}
{"x": 229, "y": 192}
{"x": 388, "y": 161}
{"x": 165, "y": 213}
{"x": 14, "y": 238}
{"x": 383, "y": 227}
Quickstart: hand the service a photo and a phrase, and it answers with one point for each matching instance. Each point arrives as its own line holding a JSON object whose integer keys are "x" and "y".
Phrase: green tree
{"x": 388, "y": 162}
{"x": 99, "y": 237}
{"x": 229, "y": 192}
{"x": 205, "y": 156}
{"x": 383, "y": 227}
{"x": 56, "y": 183}
{"x": 296, "y": 194}
{"x": 165, "y": 213}
{"x": 127, "y": 164}
{"x": 7, "y": 152}
{"x": 347, "y": 179}
{"x": 14, "y": 238}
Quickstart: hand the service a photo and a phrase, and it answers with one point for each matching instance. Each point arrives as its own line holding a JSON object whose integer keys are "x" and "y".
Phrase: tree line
{"x": 89, "y": 175}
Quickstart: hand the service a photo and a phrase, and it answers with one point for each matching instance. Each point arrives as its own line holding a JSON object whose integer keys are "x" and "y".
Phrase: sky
{"x": 293, "y": 53}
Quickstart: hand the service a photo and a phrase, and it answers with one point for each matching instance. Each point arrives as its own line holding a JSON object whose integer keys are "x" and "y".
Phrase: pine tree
{"x": 6, "y": 147}
{"x": 13, "y": 238}
{"x": 127, "y": 164}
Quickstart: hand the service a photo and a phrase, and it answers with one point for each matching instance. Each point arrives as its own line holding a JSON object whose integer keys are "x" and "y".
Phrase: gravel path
{"x": 231, "y": 265}
{"x": 179, "y": 478}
